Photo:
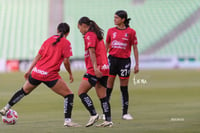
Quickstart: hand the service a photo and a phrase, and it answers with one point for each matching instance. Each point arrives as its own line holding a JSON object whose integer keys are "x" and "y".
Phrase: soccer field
{"x": 161, "y": 101}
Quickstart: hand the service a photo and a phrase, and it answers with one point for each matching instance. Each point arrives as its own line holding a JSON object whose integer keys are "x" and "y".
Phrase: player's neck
{"x": 121, "y": 27}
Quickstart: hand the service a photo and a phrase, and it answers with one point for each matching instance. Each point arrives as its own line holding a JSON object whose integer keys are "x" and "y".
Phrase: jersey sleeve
{"x": 67, "y": 51}
{"x": 90, "y": 40}
{"x": 134, "y": 40}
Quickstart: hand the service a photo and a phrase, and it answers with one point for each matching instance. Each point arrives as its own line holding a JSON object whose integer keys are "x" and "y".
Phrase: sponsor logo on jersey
{"x": 125, "y": 38}
{"x": 39, "y": 71}
{"x": 87, "y": 53}
{"x": 117, "y": 44}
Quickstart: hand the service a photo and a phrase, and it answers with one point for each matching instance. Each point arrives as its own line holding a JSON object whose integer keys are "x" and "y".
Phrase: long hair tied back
{"x": 93, "y": 27}
{"x": 62, "y": 28}
{"x": 123, "y": 14}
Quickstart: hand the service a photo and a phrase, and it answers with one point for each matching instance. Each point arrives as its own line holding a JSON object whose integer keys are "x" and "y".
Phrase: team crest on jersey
{"x": 114, "y": 34}
{"x": 125, "y": 36}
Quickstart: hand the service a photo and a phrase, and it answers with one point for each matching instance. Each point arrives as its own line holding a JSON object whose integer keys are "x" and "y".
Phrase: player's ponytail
{"x": 63, "y": 28}
{"x": 93, "y": 27}
{"x": 58, "y": 39}
{"x": 123, "y": 14}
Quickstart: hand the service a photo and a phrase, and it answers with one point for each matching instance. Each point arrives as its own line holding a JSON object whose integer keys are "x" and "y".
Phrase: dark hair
{"x": 123, "y": 14}
{"x": 62, "y": 28}
{"x": 93, "y": 27}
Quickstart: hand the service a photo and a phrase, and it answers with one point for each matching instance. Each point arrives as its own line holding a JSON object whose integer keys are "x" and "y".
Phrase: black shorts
{"x": 36, "y": 82}
{"x": 119, "y": 66}
{"x": 93, "y": 80}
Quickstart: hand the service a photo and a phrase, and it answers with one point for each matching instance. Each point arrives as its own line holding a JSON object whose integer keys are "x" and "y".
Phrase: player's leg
{"x": 85, "y": 86}
{"x": 124, "y": 79}
{"x": 60, "y": 87}
{"x": 105, "y": 105}
{"x": 29, "y": 86}
{"x": 85, "y": 98}
{"x": 125, "y": 99}
{"x": 110, "y": 85}
{"x": 125, "y": 95}
{"x": 113, "y": 68}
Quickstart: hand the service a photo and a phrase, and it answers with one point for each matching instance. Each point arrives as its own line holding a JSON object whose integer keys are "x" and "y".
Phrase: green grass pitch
{"x": 162, "y": 101}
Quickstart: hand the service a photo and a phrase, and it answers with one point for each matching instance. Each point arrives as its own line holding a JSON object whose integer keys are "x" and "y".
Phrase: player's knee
{"x": 82, "y": 95}
{"x": 66, "y": 93}
{"x": 69, "y": 95}
{"x": 80, "y": 92}
{"x": 25, "y": 92}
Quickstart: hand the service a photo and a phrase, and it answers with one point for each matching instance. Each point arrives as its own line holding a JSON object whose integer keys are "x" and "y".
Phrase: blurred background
{"x": 168, "y": 31}
{"x": 164, "y": 95}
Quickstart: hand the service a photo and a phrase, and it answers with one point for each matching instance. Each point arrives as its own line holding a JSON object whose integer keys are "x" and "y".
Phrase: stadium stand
{"x": 24, "y": 25}
{"x": 187, "y": 18}
{"x": 152, "y": 20}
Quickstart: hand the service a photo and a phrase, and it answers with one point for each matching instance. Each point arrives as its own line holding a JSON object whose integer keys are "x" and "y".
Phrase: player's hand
{"x": 136, "y": 69}
{"x": 97, "y": 72}
{"x": 26, "y": 75}
{"x": 71, "y": 78}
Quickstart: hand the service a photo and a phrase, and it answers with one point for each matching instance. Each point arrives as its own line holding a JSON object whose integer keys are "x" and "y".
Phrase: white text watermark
{"x": 177, "y": 119}
{"x": 141, "y": 81}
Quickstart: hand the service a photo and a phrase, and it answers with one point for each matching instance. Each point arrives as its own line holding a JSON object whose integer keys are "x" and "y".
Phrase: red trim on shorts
{"x": 124, "y": 77}
{"x": 85, "y": 78}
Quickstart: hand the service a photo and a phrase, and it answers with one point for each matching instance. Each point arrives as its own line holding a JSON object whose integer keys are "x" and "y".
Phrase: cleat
{"x": 105, "y": 124}
{"x": 92, "y": 120}
{"x": 3, "y": 111}
{"x": 127, "y": 117}
{"x": 71, "y": 124}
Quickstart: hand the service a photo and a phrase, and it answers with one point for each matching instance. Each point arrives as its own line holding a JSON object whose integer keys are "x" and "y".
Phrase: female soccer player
{"x": 119, "y": 41}
{"x": 45, "y": 68}
{"x": 97, "y": 71}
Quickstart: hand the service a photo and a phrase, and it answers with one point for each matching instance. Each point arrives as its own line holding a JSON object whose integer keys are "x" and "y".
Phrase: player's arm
{"x": 94, "y": 62}
{"x": 68, "y": 68}
{"x": 35, "y": 60}
{"x": 107, "y": 46}
{"x": 136, "y": 55}
{"x": 108, "y": 40}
